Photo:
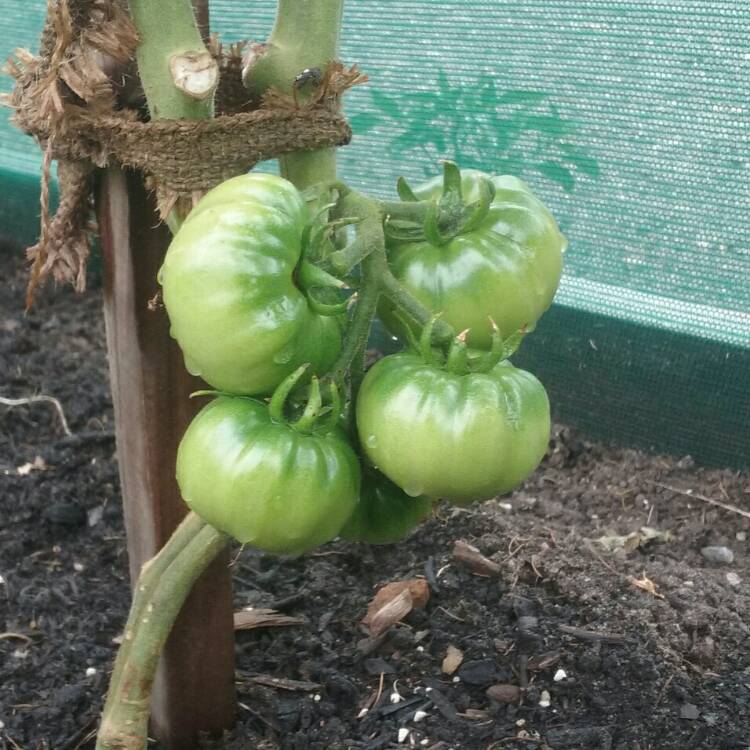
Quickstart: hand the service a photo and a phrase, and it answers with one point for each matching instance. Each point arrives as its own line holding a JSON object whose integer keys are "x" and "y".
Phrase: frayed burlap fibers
{"x": 67, "y": 99}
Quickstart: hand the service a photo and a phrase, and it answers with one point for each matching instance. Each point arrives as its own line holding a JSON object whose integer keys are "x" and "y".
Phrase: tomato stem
{"x": 168, "y": 30}
{"x": 305, "y": 36}
{"x": 412, "y": 308}
{"x": 164, "y": 584}
{"x": 371, "y": 245}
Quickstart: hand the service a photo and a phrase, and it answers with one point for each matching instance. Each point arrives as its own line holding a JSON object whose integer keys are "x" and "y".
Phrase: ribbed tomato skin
{"x": 445, "y": 435}
{"x": 507, "y": 269}
{"x": 228, "y": 286}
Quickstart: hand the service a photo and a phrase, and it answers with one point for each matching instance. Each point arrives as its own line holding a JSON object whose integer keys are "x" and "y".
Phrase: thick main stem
{"x": 305, "y": 35}
{"x": 177, "y": 72}
{"x": 150, "y": 575}
{"x": 162, "y": 588}
{"x": 167, "y": 31}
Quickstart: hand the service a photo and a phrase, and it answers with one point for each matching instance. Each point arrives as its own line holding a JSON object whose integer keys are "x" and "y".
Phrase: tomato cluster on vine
{"x": 299, "y": 444}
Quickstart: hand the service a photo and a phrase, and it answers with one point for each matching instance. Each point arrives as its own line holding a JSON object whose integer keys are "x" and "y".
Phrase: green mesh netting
{"x": 630, "y": 119}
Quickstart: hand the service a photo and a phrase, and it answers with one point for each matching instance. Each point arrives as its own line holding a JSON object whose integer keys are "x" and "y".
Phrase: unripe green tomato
{"x": 231, "y": 290}
{"x": 506, "y": 269}
{"x": 385, "y": 513}
{"x": 264, "y": 483}
{"x": 460, "y": 437}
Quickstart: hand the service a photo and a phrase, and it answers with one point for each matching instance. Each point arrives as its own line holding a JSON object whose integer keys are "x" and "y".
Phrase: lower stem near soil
{"x": 162, "y": 588}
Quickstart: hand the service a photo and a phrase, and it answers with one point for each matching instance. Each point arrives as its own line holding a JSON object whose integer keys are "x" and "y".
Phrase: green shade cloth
{"x": 630, "y": 119}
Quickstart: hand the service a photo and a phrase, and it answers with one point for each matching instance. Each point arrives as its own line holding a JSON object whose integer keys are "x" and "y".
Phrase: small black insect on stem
{"x": 312, "y": 76}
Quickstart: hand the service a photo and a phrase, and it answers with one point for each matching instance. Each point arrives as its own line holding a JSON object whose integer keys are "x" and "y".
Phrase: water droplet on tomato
{"x": 413, "y": 491}
{"x": 160, "y": 276}
{"x": 372, "y": 441}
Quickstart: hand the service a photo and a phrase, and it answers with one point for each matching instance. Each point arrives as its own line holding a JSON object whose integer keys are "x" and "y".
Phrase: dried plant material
{"x": 475, "y": 714}
{"x": 504, "y": 693}
{"x": 391, "y": 613}
{"x": 592, "y": 635}
{"x": 70, "y": 99}
{"x": 11, "y": 402}
{"x": 261, "y": 617}
{"x": 38, "y": 464}
{"x": 472, "y": 558}
{"x": 282, "y": 683}
{"x": 646, "y": 584}
{"x": 452, "y": 660}
{"x": 15, "y": 636}
{"x": 418, "y": 588}
{"x": 695, "y": 496}
{"x": 634, "y": 540}
{"x": 543, "y": 661}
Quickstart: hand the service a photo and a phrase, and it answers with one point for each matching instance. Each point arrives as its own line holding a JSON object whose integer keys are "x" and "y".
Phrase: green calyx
{"x": 317, "y": 247}
{"x": 446, "y": 218}
{"x": 458, "y": 357}
{"x": 316, "y": 418}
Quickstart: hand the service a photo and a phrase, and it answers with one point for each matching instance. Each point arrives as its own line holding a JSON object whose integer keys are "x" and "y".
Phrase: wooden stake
{"x": 194, "y": 688}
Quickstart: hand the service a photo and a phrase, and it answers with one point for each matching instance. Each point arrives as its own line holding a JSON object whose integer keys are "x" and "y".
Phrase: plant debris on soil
{"x": 589, "y": 609}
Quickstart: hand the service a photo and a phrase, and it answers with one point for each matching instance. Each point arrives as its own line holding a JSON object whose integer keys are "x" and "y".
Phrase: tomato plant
{"x": 239, "y": 294}
{"x": 501, "y": 262}
{"x": 250, "y": 285}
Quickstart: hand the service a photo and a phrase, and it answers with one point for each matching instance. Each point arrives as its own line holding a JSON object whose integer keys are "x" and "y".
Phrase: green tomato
{"x": 507, "y": 268}
{"x": 458, "y": 436}
{"x": 385, "y": 513}
{"x": 231, "y": 286}
{"x": 263, "y": 482}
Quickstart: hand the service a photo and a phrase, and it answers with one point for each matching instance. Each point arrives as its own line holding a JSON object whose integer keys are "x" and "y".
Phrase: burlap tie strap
{"x": 66, "y": 98}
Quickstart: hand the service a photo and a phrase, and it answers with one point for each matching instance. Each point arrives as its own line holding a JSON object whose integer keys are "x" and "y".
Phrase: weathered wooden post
{"x": 194, "y": 688}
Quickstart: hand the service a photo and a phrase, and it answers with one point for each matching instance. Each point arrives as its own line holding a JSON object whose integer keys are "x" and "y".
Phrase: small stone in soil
{"x": 65, "y": 514}
{"x": 478, "y": 672}
{"x": 504, "y": 693}
{"x": 718, "y": 555}
{"x": 689, "y": 711}
{"x": 733, "y": 579}
{"x": 378, "y": 666}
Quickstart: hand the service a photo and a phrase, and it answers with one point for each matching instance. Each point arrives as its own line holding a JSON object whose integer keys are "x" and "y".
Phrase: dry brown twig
{"x": 703, "y": 498}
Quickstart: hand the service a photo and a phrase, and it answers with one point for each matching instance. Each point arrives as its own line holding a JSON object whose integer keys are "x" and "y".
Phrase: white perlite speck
{"x": 403, "y": 733}
{"x": 545, "y": 700}
{"x": 560, "y": 675}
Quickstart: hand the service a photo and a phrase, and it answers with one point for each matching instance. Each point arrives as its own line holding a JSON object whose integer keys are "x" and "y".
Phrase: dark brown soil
{"x": 658, "y": 667}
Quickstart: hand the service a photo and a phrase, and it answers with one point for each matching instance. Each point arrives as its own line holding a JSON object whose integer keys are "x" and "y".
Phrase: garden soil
{"x": 589, "y": 632}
